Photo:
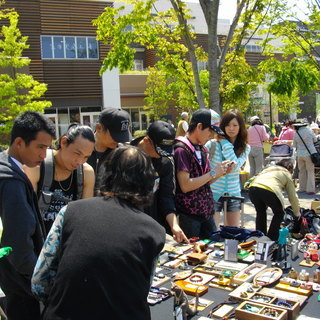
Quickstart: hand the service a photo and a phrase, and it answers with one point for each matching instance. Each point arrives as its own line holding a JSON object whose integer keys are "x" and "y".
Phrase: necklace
{"x": 70, "y": 184}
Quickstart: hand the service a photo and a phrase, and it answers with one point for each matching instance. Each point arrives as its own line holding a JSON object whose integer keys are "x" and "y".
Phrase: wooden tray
{"x": 267, "y": 276}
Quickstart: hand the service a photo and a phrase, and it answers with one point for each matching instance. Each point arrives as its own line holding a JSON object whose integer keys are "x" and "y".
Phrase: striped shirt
{"x": 308, "y": 138}
{"x": 229, "y": 183}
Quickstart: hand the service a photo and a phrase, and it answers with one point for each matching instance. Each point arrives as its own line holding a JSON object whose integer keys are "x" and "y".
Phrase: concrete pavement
{"x": 250, "y": 213}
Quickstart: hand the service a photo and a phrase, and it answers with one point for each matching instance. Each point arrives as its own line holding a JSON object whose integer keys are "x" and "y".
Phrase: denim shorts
{"x": 232, "y": 205}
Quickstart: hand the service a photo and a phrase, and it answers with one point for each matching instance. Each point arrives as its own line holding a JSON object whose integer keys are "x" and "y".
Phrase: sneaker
{"x": 310, "y": 193}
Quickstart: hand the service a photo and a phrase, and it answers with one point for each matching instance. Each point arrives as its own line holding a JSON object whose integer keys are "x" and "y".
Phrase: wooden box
{"x": 243, "y": 313}
{"x": 272, "y": 301}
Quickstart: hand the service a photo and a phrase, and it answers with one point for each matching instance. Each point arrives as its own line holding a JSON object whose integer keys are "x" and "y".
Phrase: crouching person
{"x": 100, "y": 253}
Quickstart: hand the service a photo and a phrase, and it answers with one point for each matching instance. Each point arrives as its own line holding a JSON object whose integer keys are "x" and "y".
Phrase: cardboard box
{"x": 315, "y": 205}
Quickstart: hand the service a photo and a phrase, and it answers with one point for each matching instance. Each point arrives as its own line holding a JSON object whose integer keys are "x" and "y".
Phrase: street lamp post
{"x": 270, "y": 105}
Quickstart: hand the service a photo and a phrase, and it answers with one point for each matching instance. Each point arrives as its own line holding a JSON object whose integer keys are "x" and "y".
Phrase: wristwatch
{"x": 213, "y": 174}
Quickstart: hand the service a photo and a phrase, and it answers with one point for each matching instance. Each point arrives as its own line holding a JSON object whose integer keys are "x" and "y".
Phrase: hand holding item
{"x": 178, "y": 234}
{"x": 230, "y": 166}
{"x": 220, "y": 169}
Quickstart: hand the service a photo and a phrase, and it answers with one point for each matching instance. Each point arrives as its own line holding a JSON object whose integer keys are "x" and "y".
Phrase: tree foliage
{"x": 230, "y": 80}
{"x": 19, "y": 92}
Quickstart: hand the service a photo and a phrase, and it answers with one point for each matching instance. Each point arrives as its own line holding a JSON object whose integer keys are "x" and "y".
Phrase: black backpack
{"x": 45, "y": 196}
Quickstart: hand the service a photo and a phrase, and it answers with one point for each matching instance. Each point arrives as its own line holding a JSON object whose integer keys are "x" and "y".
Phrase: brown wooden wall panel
{"x": 70, "y": 17}
{"x": 67, "y": 78}
{"x": 79, "y": 79}
{"x": 29, "y": 24}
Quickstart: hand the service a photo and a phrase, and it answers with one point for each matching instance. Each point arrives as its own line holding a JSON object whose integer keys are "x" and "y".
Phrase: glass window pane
{"x": 46, "y": 47}
{"x": 93, "y": 48}
{"x": 81, "y": 47}
{"x": 70, "y": 47}
{"x": 58, "y": 47}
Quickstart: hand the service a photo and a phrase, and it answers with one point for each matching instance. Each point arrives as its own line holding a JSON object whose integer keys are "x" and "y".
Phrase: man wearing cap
{"x": 158, "y": 145}
{"x": 112, "y": 128}
{"x": 194, "y": 200}
{"x": 183, "y": 125}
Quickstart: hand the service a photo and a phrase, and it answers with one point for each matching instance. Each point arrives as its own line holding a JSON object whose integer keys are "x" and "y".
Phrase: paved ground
{"x": 250, "y": 213}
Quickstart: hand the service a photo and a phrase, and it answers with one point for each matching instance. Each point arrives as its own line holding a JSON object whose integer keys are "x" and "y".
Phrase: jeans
{"x": 194, "y": 226}
{"x": 262, "y": 199}
{"x": 256, "y": 160}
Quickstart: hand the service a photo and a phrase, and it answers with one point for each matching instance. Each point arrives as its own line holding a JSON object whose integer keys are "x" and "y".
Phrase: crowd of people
{"x": 87, "y": 218}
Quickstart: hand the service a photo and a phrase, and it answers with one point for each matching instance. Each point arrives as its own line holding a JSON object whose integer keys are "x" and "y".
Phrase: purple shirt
{"x": 196, "y": 202}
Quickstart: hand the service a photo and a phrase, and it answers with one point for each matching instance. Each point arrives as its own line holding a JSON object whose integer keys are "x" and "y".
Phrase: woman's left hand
{"x": 230, "y": 167}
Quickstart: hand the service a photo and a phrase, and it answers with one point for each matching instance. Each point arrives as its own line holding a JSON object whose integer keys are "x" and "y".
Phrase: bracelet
{"x": 283, "y": 303}
{"x": 270, "y": 313}
{"x": 196, "y": 278}
{"x": 251, "y": 308}
{"x": 261, "y": 298}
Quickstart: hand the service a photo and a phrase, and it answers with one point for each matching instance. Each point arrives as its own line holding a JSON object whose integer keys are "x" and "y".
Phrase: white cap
{"x": 314, "y": 126}
{"x": 254, "y": 118}
{"x": 184, "y": 114}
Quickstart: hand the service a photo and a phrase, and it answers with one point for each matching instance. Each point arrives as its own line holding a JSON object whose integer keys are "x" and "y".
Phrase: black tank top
{"x": 63, "y": 191}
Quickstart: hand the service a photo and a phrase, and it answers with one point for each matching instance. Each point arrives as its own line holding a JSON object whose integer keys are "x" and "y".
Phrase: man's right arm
{"x": 19, "y": 224}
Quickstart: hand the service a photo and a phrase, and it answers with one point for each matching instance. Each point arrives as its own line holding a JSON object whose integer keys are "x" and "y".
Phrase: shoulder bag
{"x": 315, "y": 157}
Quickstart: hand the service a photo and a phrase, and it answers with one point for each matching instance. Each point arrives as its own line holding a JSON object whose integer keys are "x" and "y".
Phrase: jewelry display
{"x": 283, "y": 303}
{"x": 196, "y": 278}
{"x": 261, "y": 298}
{"x": 252, "y": 308}
{"x": 268, "y": 276}
{"x": 270, "y": 313}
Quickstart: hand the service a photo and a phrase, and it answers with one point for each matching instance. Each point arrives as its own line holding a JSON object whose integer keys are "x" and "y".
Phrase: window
{"x": 253, "y": 48}
{"x": 202, "y": 65}
{"x": 68, "y": 47}
{"x": 138, "y": 65}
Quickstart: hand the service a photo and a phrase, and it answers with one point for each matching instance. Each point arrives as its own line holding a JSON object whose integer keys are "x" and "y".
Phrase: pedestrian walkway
{"x": 250, "y": 212}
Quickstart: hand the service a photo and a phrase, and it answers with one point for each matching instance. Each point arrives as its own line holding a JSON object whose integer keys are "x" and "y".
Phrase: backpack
{"x": 46, "y": 177}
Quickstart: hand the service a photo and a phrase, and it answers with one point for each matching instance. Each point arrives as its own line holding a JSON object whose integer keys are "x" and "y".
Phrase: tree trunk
{"x": 177, "y": 6}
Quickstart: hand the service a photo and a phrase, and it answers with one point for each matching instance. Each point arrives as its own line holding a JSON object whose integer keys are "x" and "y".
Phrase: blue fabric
{"x": 236, "y": 233}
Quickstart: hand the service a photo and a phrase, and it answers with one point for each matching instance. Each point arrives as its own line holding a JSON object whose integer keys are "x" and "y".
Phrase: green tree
{"x": 299, "y": 71}
{"x": 172, "y": 38}
{"x": 230, "y": 79}
{"x": 19, "y": 92}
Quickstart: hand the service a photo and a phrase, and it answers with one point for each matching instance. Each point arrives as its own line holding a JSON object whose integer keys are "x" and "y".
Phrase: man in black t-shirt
{"x": 158, "y": 145}
{"x": 112, "y": 128}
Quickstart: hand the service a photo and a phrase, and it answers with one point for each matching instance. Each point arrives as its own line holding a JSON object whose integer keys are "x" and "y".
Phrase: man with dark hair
{"x": 112, "y": 128}
{"x": 115, "y": 254}
{"x": 194, "y": 200}
{"x": 158, "y": 145}
{"x": 23, "y": 229}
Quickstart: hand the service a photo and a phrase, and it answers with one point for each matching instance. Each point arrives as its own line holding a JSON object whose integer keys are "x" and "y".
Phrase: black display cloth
{"x": 164, "y": 309}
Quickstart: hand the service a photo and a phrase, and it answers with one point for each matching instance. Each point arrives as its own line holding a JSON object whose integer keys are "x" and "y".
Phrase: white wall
{"x": 111, "y": 88}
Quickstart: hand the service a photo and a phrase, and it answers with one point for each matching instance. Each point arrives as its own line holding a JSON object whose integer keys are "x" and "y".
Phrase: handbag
{"x": 315, "y": 157}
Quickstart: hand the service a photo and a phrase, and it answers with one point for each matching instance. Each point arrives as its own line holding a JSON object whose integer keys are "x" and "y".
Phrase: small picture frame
{"x": 262, "y": 251}
{"x": 231, "y": 250}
